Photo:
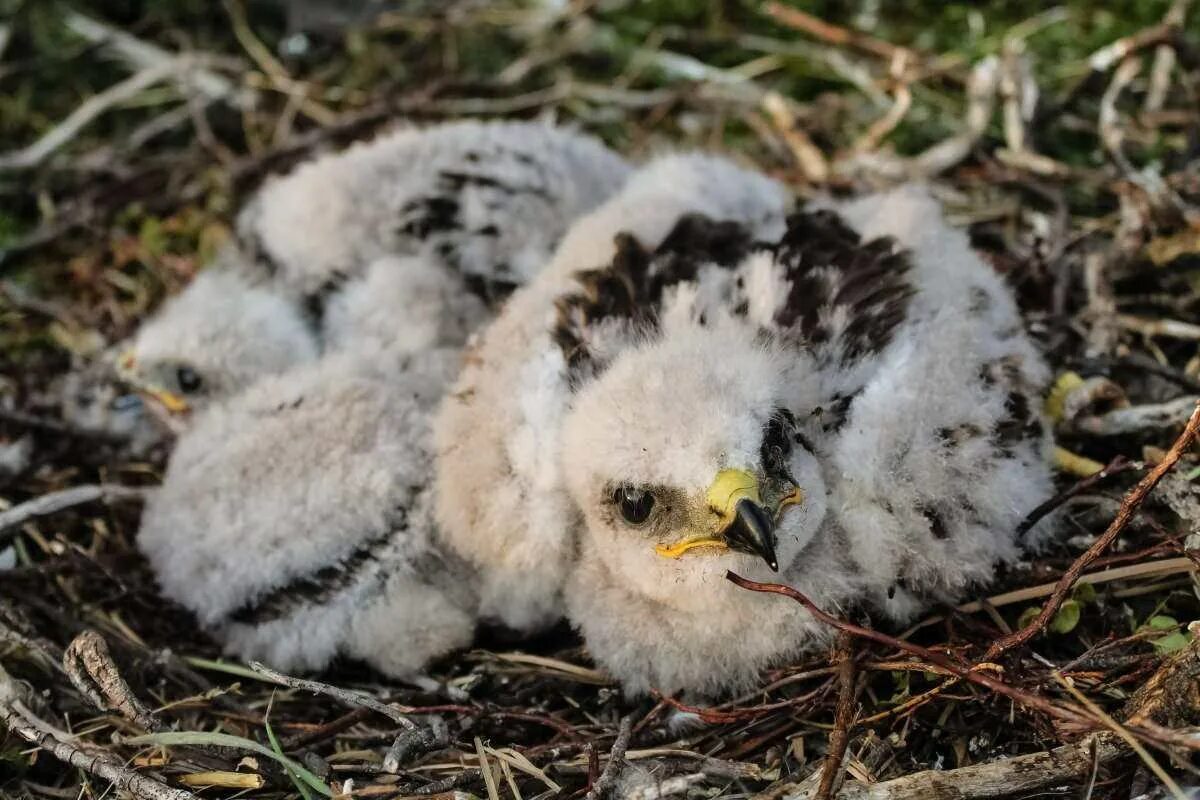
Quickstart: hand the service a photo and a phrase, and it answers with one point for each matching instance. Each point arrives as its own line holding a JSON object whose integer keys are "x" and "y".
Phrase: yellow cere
{"x": 730, "y": 486}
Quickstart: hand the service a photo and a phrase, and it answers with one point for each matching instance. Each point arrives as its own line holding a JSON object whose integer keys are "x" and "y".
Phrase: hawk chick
{"x": 501, "y": 502}
{"x": 850, "y": 407}
{"x": 409, "y": 238}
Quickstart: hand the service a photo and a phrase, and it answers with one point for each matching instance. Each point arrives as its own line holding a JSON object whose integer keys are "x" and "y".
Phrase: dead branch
{"x": 1170, "y": 697}
{"x": 413, "y": 739}
{"x": 67, "y": 498}
{"x": 1171, "y": 328}
{"x": 1129, "y": 507}
{"x": 616, "y": 757}
{"x": 843, "y": 718}
{"x": 19, "y": 720}
{"x": 981, "y": 103}
{"x": 16, "y": 630}
{"x": 91, "y": 668}
{"x": 901, "y": 103}
{"x": 1019, "y": 93}
{"x": 808, "y": 156}
{"x": 680, "y": 784}
{"x": 62, "y": 133}
{"x": 1101, "y": 313}
{"x": 1013, "y": 776}
{"x": 141, "y": 55}
{"x": 1061, "y": 712}
{"x": 834, "y": 34}
{"x": 1164, "y": 61}
{"x": 347, "y": 696}
{"x": 1111, "y": 133}
{"x": 1135, "y": 419}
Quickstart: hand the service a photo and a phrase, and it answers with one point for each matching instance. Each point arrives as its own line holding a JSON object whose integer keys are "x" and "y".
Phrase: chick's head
{"x": 212, "y": 340}
{"x": 686, "y": 462}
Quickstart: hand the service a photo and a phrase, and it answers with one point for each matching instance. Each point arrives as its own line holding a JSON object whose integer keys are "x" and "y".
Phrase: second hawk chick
{"x": 410, "y": 238}
{"x": 296, "y": 519}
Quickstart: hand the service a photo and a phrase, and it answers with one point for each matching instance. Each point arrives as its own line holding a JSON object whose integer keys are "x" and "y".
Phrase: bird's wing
{"x": 248, "y": 523}
{"x": 486, "y": 200}
{"x": 929, "y": 408}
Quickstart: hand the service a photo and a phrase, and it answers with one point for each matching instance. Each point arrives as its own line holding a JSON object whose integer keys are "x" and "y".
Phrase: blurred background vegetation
{"x": 130, "y": 132}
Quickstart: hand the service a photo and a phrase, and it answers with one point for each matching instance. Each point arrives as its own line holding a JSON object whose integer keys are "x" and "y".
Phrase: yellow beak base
{"x": 727, "y": 489}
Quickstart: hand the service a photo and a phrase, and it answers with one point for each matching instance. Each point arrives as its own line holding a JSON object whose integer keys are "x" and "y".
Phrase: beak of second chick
{"x": 743, "y": 523}
{"x": 127, "y": 369}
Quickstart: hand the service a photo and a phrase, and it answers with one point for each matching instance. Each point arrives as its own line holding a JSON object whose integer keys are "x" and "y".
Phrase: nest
{"x": 1074, "y": 672}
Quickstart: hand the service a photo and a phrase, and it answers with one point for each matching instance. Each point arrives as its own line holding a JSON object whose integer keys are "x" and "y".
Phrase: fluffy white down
{"x": 403, "y": 303}
{"x": 501, "y": 503}
{"x": 461, "y": 212}
{"x": 674, "y": 412}
{"x": 228, "y": 328}
{"x": 294, "y": 476}
{"x": 334, "y": 215}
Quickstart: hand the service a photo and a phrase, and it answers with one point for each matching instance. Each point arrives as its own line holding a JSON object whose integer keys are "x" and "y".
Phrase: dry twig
{"x": 60, "y": 501}
{"x": 19, "y": 720}
{"x": 62, "y": 133}
{"x": 843, "y": 719}
{"x": 91, "y": 668}
{"x": 616, "y": 756}
{"x": 1129, "y": 507}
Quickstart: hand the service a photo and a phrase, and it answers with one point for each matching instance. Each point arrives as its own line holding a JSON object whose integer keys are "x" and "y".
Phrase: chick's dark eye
{"x": 635, "y": 504}
{"x": 189, "y": 380}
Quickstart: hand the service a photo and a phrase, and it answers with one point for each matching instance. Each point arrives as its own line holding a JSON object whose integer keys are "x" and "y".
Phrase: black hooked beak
{"x": 752, "y": 531}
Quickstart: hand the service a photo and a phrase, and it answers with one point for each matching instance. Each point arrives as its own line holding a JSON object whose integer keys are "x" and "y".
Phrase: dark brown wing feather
{"x": 847, "y": 295}
{"x": 631, "y": 287}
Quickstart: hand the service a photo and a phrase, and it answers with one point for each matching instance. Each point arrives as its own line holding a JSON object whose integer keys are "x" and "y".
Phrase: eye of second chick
{"x": 189, "y": 380}
{"x": 635, "y": 504}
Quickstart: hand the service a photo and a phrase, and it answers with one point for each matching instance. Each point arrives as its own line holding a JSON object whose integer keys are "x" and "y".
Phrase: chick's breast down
{"x": 875, "y": 399}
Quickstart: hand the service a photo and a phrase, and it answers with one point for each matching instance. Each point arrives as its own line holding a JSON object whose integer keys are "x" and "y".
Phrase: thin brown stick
{"x": 1117, "y": 465}
{"x": 1129, "y": 506}
{"x": 326, "y": 731}
{"x": 970, "y": 674}
{"x": 843, "y": 718}
{"x": 91, "y": 668}
{"x": 616, "y": 755}
{"x": 834, "y": 34}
